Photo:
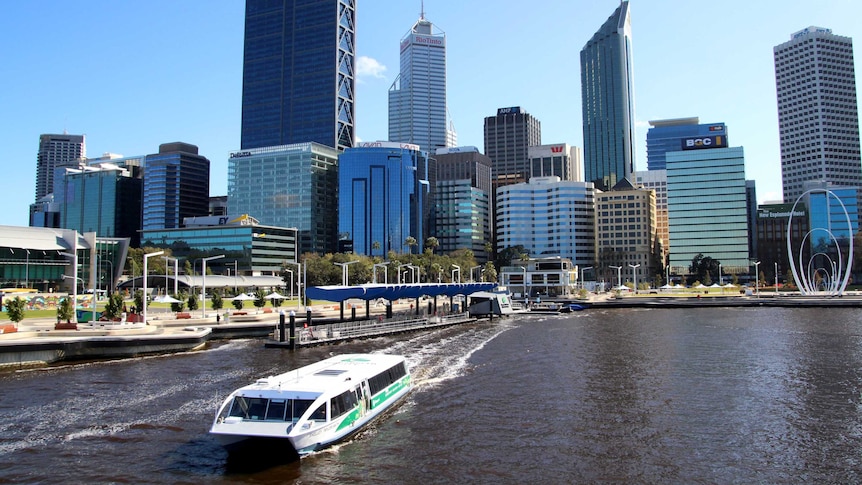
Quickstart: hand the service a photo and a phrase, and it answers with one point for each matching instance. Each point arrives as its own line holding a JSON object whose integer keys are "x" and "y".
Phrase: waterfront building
{"x": 818, "y": 118}
{"x": 607, "y": 99}
{"x": 667, "y": 135}
{"x": 289, "y": 186}
{"x": 56, "y": 151}
{"x": 548, "y": 217}
{"x": 383, "y": 190}
{"x": 560, "y": 160}
{"x": 707, "y": 208}
{"x": 104, "y": 198}
{"x": 176, "y": 186}
{"x": 656, "y": 180}
{"x": 508, "y": 135}
{"x": 462, "y": 206}
{"x": 626, "y": 233}
{"x": 772, "y": 220}
{"x": 417, "y": 97}
{"x": 249, "y": 247}
{"x": 299, "y": 73}
{"x": 751, "y": 213}
{"x": 551, "y": 276}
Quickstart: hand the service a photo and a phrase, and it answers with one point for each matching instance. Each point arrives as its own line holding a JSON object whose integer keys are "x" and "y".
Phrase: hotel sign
{"x": 717, "y": 141}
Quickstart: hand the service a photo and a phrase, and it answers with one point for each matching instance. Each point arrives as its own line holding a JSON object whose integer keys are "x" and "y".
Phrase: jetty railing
{"x": 375, "y": 327}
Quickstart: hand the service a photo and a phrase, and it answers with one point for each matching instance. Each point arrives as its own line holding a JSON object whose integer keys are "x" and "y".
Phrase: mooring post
{"x": 308, "y": 316}
{"x": 292, "y": 343}
{"x": 281, "y": 326}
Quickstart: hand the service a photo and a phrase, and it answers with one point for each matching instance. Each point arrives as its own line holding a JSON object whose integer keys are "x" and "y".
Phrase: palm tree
{"x": 432, "y": 243}
{"x": 375, "y": 246}
{"x": 410, "y": 241}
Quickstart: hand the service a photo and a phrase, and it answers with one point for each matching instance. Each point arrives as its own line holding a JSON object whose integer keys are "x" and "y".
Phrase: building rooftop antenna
{"x": 422, "y": 12}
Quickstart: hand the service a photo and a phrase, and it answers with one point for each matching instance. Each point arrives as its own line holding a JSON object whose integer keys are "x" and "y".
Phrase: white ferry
{"x": 314, "y": 406}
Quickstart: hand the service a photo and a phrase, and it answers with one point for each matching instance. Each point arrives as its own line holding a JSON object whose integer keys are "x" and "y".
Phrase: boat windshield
{"x": 263, "y": 409}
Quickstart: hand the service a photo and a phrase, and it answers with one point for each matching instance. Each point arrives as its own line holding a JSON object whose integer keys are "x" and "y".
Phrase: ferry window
{"x": 343, "y": 403}
{"x": 276, "y": 410}
{"x": 300, "y": 406}
{"x": 248, "y": 407}
{"x": 319, "y": 414}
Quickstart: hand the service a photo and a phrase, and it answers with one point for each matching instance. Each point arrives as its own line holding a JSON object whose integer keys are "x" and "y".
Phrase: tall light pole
{"x": 582, "y": 275}
{"x": 776, "y": 277}
{"x": 146, "y": 257}
{"x": 176, "y": 273}
{"x": 385, "y": 272}
{"x": 756, "y": 279}
{"x": 235, "y": 268}
{"x": 399, "y": 271}
{"x": 298, "y": 283}
{"x": 524, "y": 269}
{"x": 344, "y": 272}
{"x": 720, "y": 281}
{"x": 471, "y": 273}
{"x": 291, "y": 281}
{"x": 27, "y": 270}
{"x": 204, "y": 283}
{"x": 634, "y": 268}
{"x": 667, "y": 275}
{"x": 456, "y": 268}
{"x": 619, "y": 275}
{"x": 414, "y": 273}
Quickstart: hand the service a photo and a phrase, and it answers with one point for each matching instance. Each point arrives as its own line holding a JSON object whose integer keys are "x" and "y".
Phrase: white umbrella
{"x": 166, "y": 299}
{"x": 715, "y": 285}
{"x": 243, "y": 297}
{"x": 275, "y": 294}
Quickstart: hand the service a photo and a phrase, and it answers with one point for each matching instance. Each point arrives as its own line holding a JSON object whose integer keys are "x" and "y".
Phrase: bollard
{"x": 281, "y": 326}
{"x": 292, "y": 344}
{"x": 388, "y": 309}
{"x": 430, "y": 308}
{"x": 308, "y": 316}
{"x": 353, "y": 314}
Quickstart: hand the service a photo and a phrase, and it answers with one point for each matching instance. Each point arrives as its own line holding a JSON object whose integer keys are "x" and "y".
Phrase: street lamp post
{"x": 776, "y": 277}
{"x": 235, "y": 267}
{"x": 471, "y": 273}
{"x": 204, "y": 283}
{"x": 291, "y": 281}
{"x": 385, "y": 272}
{"x": 147, "y": 257}
{"x": 456, "y": 268}
{"x": 298, "y": 282}
{"x": 176, "y": 273}
{"x": 634, "y": 268}
{"x": 414, "y": 273}
{"x": 619, "y": 275}
{"x": 344, "y": 272}
{"x": 720, "y": 280}
{"x": 756, "y": 279}
{"x": 399, "y": 271}
{"x": 74, "y": 256}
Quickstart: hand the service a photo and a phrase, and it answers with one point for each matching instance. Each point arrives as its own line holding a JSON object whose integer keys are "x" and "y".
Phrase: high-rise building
{"x": 56, "y": 152}
{"x": 462, "y": 204}
{"x": 417, "y": 98}
{"x": 772, "y": 220}
{"x": 548, "y": 217}
{"x": 656, "y": 180}
{"x": 382, "y": 191}
{"x": 667, "y": 135}
{"x": 560, "y": 160}
{"x": 299, "y": 73}
{"x": 607, "y": 97}
{"x": 818, "y": 119}
{"x": 288, "y": 186}
{"x": 707, "y": 208}
{"x": 176, "y": 186}
{"x": 626, "y": 232}
{"x": 508, "y": 135}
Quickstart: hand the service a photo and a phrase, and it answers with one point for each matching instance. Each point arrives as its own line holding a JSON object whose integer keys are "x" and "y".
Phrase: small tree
{"x": 217, "y": 301}
{"x": 259, "y": 299}
{"x": 178, "y": 306}
{"x": 65, "y": 309}
{"x": 238, "y": 304}
{"x": 139, "y": 300}
{"x": 15, "y": 309}
{"x": 193, "y": 302}
{"x": 114, "y": 306}
{"x": 276, "y": 302}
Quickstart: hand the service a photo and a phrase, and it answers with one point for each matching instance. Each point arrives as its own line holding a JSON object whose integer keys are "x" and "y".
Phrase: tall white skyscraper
{"x": 56, "y": 151}
{"x": 818, "y": 119}
{"x": 417, "y": 98}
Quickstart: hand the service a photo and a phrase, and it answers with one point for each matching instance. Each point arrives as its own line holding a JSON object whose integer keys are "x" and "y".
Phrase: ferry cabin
{"x": 314, "y": 406}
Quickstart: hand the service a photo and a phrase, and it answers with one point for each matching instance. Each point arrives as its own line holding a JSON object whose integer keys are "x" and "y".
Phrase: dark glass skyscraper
{"x": 298, "y": 73}
{"x": 507, "y": 137}
{"x": 176, "y": 186}
{"x": 607, "y": 94}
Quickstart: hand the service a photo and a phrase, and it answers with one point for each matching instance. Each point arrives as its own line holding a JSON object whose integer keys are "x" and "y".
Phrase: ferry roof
{"x": 324, "y": 376}
{"x": 394, "y": 292}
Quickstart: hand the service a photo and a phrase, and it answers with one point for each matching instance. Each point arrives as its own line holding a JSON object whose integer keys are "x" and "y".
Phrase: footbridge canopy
{"x": 395, "y": 292}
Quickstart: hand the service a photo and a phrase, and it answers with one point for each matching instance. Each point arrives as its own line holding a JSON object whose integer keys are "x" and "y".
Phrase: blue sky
{"x": 132, "y": 75}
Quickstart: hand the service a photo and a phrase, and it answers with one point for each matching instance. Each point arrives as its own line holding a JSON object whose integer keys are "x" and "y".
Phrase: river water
{"x": 705, "y": 395}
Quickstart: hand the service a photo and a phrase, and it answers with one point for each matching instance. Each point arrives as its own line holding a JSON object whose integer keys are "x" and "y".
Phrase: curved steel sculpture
{"x": 840, "y": 271}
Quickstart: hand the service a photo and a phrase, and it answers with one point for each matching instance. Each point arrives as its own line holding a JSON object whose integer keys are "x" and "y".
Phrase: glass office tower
{"x": 417, "y": 98}
{"x": 382, "y": 196}
{"x": 298, "y": 73}
{"x": 288, "y": 186}
{"x": 818, "y": 118}
{"x": 667, "y": 136}
{"x": 607, "y": 97}
{"x": 176, "y": 186}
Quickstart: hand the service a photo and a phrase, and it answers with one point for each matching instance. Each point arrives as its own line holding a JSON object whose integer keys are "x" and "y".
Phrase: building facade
{"x": 559, "y": 160}
{"x": 383, "y": 188}
{"x": 626, "y": 234}
{"x": 818, "y": 118}
{"x": 548, "y": 217}
{"x": 289, "y": 186}
{"x": 656, "y": 180}
{"x": 56, "y": 152}
{"x": 462, "y": 207}
{"x": 299, "y": 73}
{"x": 417, "y": 97}
{"x": 607, "y": 99}
{"x": 772, "y": 220}
{"x": 707, "y": 208}
{"x": 667, "y": 135}
{"x": 176, "y": 186}
{"x": 508, "y": 135}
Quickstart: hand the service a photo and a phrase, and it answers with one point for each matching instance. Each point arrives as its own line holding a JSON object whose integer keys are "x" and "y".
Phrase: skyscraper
{"x": 462, "y": 205}
{"x": 607, "y": 97}
{"x": 666, "y": 135}
{"x": 298, "y": 73}
{"x": 176, "y": 186}
{"x": 56, "y": 151}
{"x": 507, "y": 138}
{"x": 417, "y": 98}
{"x": 818, "y": 121}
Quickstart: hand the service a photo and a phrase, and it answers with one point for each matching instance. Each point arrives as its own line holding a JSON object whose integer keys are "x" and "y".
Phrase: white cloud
{"x": 367, "y": 66}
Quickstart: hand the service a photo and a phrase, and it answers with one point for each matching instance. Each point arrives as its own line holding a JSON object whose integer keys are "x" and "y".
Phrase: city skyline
{"x": 127, "y": 74}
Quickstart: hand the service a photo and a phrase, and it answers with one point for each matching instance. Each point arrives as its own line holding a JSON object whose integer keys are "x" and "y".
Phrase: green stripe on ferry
{"x": 349, "y": 419}
{"x": 389, "y": 392}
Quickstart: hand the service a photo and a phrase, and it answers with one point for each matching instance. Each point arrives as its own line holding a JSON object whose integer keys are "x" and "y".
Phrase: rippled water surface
{"x": 683, "y": 396}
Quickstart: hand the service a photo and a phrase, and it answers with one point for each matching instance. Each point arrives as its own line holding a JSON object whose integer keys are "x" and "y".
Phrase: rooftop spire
{"x": 422, "y": 12}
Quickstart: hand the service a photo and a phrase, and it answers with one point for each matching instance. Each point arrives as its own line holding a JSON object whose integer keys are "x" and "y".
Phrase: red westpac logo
{"x": 557, "y": 149}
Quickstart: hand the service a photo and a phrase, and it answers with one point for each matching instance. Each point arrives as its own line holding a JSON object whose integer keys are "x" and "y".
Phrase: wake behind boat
{"x": 314, "y": 406}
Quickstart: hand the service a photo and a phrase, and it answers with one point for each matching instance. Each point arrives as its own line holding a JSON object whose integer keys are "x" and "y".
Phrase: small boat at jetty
{"x": 314, "y": 406}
